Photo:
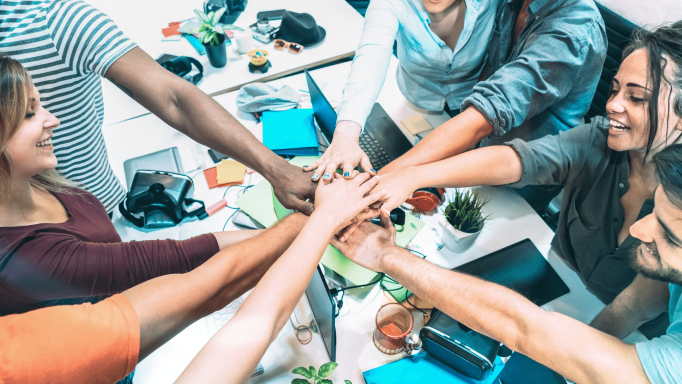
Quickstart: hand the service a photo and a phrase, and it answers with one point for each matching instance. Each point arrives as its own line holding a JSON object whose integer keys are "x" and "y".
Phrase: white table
{"x": 512, "y": 220}
{"x": 143, "y": 25}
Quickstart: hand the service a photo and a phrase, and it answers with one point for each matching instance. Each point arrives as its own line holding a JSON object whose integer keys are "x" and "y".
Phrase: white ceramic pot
{"x": 456, "y": 240}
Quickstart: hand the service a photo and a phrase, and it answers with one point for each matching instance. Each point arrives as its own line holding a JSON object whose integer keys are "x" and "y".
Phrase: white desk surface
{"x": 142, "y": 21}
{"x": 512, "y": 220}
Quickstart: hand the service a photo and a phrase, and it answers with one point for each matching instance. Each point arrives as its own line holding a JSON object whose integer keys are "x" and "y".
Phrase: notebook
{"x": 290, "y": 132}
{"x": 422, "y": 368}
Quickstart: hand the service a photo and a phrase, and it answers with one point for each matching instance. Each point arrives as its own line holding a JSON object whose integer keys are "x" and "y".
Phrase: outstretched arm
{"x": 189, "y": 110}
{"x": 573, "y": 349}
{"x": 451, "y": 138}
{"x": 270, "y": 304}
{"x": 168, "y": 304}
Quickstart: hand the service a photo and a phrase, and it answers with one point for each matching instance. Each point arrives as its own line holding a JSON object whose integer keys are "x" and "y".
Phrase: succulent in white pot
{"x": 463, "y": 220}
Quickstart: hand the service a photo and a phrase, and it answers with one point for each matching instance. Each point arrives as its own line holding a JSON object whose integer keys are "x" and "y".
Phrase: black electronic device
{"x": 522, "y": 268}
{"x": 270, "y": 15}
{"x": 455, "y": 345}
{"x": 381, "y": 139}
{"x": 161, "y": 199}
{"x": 216, "y": 156}
{"x": 185, "y": 67}
{"x": 324, "y": 309}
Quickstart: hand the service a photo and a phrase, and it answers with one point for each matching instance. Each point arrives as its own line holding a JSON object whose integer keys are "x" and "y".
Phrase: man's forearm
{"x": 168, "y": 304}
{"x": 574, "y": 350}
{"x": 455, "y": 136}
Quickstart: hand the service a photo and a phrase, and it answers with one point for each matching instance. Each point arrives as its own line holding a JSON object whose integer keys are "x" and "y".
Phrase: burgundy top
{"x": 83, "y": 259}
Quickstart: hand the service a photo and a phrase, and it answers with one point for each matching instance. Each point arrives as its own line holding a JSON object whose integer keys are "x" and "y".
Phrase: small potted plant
{"x": 211, "y": 34}
{"x": 318, "y": 377}
{"x": 463, "y": 220}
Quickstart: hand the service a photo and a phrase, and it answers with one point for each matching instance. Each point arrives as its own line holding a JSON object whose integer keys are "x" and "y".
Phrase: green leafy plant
{"x": 318, "y": 377}
{"x": 210, "y": 28}
{"x": 465, "y": 212}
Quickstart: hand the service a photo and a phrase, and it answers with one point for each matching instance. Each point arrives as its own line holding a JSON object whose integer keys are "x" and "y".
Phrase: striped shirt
{"x": 66, "y": 45}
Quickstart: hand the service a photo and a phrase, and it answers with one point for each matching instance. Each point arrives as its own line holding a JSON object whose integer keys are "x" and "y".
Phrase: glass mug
{"x": 393, "y": 323}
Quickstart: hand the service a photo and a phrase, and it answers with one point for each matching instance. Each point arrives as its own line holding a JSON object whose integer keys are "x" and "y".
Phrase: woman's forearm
{"x": 496, "y": 165}
{"x": 244, "y": 339}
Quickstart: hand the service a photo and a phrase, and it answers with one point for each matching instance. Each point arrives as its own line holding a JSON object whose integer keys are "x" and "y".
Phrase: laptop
{"x": 324, "y": 310}
{"x": 381, "y": 139}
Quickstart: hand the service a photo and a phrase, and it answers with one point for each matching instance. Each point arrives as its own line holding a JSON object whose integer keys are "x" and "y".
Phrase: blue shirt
{"x": 544, "y": 83}
{"x": 661, "y": 357}
{"x": 429, "y": 73}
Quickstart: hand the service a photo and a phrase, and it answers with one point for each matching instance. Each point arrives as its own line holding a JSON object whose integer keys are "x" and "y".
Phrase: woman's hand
{"x": 397, "y": 186}
{"x": 343, "y": 199}
{"x": 344, "y": 152}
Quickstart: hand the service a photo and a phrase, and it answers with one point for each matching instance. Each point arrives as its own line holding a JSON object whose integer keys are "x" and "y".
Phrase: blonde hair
{"x": 15, "y": 89}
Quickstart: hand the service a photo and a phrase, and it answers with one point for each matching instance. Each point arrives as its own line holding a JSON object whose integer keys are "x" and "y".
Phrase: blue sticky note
{"x": 290, "y": 131}
{"x": 423, "y": 368}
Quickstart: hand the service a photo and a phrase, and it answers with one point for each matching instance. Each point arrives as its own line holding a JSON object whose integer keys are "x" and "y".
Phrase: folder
{"x": 422, "y": 368}
{"x": 290, "y": 132}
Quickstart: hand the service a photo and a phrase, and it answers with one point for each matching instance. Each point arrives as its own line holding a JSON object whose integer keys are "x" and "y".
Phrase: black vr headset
{"x": 161, "y": 200}
{"x": 182, "y": 66}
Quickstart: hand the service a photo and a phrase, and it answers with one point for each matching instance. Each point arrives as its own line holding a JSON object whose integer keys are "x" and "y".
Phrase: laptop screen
{"x": 323, "y": 111}
{"x": 324, "y": 310}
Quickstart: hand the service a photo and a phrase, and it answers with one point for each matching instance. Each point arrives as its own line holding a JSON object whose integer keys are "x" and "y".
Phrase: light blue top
{"x": 429, "y": 73}
{"x": 662, "y": 356}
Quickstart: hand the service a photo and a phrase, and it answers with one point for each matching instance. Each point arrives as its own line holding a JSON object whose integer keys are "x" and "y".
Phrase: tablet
{"x": 522, "y": 268}
{"x": 324, "y": 310}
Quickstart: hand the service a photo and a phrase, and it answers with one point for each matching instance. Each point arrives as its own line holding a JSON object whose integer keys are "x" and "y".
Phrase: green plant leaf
{"x": 326, "y": 381}
{"x": 313, "y": 371}
{"x": 201, "y": 16}
{"x": 300, "y": 381}
{"x": 218, "y": 14}
{"x": 303, "y": 372}
{"x": 347, "y": 382}
{"x": 209, "y": 18}
{"x": 327, "y": 369}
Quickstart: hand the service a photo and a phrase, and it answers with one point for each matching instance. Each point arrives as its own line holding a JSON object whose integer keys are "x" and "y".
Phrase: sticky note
{"x": 230, "y": 171}
{"x": 416, "y": 124}
{"x": 212, "y": 179}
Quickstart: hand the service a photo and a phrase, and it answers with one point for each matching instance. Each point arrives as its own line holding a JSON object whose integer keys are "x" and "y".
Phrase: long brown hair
{"x": 15, "y": 89}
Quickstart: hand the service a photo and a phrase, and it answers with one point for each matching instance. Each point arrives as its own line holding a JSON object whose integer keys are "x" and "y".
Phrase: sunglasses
{"x": 293, "y": 47}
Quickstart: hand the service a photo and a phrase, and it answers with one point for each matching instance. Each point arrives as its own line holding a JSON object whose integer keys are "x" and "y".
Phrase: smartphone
{"x": 270, "y": 15}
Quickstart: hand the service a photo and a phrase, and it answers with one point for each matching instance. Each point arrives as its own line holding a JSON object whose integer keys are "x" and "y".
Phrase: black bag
{"x": 162, "y": 199}
{"x": 460, "y": 348}
{"x": 233, "y": 8}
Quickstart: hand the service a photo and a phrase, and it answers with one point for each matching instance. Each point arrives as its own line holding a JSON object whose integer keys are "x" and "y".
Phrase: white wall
{"x": 646, "y": 12}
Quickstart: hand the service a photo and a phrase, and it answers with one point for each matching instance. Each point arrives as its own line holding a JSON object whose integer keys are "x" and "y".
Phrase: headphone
{"x": 427, "y": 199}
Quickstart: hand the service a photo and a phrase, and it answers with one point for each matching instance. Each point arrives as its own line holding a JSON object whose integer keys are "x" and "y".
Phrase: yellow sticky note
{"x": 230, "y": 171}
{"x": 416, "y": 124}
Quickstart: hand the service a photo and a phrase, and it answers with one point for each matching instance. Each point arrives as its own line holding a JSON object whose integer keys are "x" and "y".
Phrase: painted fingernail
{"x": 346, "y": 174}
{"x": 326, "y": 176}
{"x": 373, "y": 170}
{"x": 314, "y": 176}
{"x": 305, "y": 166}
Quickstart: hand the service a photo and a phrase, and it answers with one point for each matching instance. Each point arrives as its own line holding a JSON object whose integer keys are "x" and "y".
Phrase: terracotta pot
{"x": 456, "y": 240}
{"x": 217, "y": 54}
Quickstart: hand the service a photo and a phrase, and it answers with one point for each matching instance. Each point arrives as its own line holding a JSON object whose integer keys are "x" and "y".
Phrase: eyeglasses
{"x": 293, "y": 47}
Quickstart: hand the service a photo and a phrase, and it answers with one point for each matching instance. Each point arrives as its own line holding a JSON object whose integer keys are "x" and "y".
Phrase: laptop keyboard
{"x": 376, "y": 153}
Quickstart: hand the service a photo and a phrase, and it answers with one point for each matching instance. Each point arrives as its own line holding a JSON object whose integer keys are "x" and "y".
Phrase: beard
{"x": 661, "y": 273}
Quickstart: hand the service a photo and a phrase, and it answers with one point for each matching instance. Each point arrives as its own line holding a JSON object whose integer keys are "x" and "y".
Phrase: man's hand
{"x": 344, "y": 152}
{"x": 369, "y": 244}
{"x": 293, "y": 187}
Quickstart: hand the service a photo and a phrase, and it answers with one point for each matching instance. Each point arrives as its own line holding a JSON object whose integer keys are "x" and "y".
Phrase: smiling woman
{"x": 22, "y": 116}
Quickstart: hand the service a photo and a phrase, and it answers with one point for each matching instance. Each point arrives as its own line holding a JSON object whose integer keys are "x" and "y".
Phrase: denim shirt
{"x": 661, "y": 357}
{"x": 429, "y": 72}
{"x": 543, "y": 84}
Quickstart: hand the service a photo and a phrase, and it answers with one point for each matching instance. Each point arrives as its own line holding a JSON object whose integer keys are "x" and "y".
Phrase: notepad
{"x": 416, "y": 124}
{"x": 230, "y": 171}
{"x": 423, "y": 368}
{"x": 290, "y": 132}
